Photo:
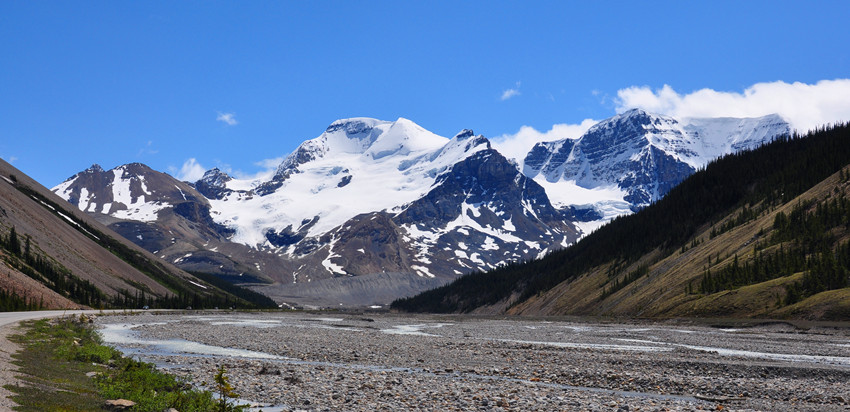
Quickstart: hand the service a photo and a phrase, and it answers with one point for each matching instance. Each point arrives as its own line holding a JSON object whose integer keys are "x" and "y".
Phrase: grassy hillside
{"x": 54, "y": 256}
{"x": 760, "y": 233}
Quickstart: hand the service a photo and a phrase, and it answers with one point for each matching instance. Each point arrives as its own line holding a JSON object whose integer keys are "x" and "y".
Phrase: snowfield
{"x": 386, "y": 166}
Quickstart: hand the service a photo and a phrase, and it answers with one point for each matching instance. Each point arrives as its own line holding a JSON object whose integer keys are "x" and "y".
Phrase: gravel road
{"x": 8, "y": 326}
{"x": 365, "y": 362}
{"x": 7, "y": 369}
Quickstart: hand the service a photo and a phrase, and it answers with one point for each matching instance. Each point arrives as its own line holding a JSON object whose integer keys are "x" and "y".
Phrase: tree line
{"x": 51, "y": 274}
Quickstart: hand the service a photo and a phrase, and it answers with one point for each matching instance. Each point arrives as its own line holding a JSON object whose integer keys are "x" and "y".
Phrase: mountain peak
{"x": 213, "y": 184}
{"x": 634, "y": 124}
{"x": 215, "y": 174}
{"x": 95, "y": 168}
{"x": 464, "y": 134}
{"x": 404, "y": 120}
{"x": 372, "y": 137}
{"x": 640, "y": 116}
{"x": 634, "y": 112}
{"x": 353, "y": 126}
{"x": 136, "y": 168}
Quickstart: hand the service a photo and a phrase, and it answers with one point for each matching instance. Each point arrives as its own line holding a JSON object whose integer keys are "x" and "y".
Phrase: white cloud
{"x": 228, "y": 118}
{"x": 191, "y": 171}
{"x": 148, "y": 149}
{"x": 507, "y": 94}
{"x": 270, "y": 163}
{"x": 517, "y": 145}
{"x": 805, "y": 106}
{"x": 269, "y": 167}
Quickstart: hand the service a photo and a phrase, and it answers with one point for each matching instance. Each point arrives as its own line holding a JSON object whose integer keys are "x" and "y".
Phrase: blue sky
{"x": 233, "y": 83}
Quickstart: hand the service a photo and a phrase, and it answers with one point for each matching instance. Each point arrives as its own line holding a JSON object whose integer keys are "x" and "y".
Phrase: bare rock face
{"x": 213, "y": 184}
{"x": 372, "y": 243}
{"x": 484, "y": 213}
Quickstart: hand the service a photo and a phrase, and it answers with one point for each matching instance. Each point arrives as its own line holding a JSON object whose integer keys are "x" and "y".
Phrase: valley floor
{"x": 335, "y": 361}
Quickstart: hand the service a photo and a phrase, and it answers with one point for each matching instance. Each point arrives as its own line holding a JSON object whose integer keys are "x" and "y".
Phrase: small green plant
{"x": 224, "y": 389}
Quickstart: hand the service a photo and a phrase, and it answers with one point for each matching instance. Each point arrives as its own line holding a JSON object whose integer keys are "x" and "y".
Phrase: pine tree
{"x": 27, "y": 249}
{"x": 14, "y": 244}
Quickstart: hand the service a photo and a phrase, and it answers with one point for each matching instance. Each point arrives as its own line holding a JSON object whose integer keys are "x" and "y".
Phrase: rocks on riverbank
{"x": 396, "y": 362}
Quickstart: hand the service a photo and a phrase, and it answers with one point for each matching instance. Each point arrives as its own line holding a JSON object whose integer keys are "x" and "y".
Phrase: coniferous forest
{"x": 808, "y": 242}
{"x": 728, "y": 193}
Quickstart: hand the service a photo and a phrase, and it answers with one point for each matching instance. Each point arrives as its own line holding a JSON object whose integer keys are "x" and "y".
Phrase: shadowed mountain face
{"x": 370, "y": 197}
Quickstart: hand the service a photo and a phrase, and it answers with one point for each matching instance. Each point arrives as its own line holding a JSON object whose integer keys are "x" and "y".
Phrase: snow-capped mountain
{"x": 402, "y": 208}
{"x": 163, "y": 215}
{"x": 356, "y": 166}
{"x": 131, "y": 192}
{"x": 632, "y": 159}
{"x": 365, "y": 197}
{"x": 360, "y": 167}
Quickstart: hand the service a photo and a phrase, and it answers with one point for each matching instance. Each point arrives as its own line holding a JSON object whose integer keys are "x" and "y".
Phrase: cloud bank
{"x": 517, "y": 145}
{"x": 805, "y": 106}
{"x": 191, "y": 171}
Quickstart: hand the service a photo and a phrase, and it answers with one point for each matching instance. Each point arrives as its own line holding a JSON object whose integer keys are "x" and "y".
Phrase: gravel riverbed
{"x": 366, "y": 362}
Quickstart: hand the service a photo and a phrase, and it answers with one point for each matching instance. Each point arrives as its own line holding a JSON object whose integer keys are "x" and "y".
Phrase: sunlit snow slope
{"x": 357, "y": 166}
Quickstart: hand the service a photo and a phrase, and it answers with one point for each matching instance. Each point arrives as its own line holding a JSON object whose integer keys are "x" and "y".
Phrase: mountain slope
{"x": 167, "y": 217}
{"x": 356, "y": 166}
{"x": 365, "y": 197}
{"x": 635, "y": 158}
{"x": 372, "y": 197}
{"x": 75, "y": 261}
{"x": 709, "y": 240}
{"x": 442, "y": 212}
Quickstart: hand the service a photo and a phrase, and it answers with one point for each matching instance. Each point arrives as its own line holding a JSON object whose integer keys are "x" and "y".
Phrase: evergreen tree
{"x": 14, "y": 244}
